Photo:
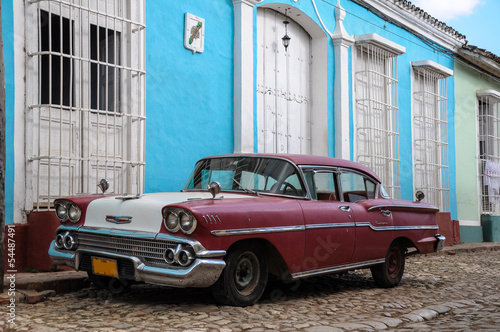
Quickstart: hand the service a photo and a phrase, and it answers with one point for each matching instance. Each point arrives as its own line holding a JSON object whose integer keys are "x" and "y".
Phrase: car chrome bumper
{"x": 203, "y": 272}
{"x": 440, "y": 242}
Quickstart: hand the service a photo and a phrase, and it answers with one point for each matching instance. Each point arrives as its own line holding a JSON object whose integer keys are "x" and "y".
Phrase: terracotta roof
{"x": 483, "y": 52}
{"x": 423, "y": 15}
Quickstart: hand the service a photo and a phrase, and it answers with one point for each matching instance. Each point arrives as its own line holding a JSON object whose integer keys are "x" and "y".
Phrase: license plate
{"x": 105, "y": 267}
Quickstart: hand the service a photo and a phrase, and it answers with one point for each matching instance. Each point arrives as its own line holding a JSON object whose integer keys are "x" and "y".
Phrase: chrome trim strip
{"x": 211, "y": 219}
{"x": 332, "y": 225}
{"x": 388, "y": 206}
{"x": 396, "y": 228}
{"x": 336, "y": 269}
{"x": 247, "y": 231}
{"x": 116, "y": 232}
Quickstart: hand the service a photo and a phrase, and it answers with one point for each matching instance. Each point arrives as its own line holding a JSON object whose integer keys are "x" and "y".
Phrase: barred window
{"x": 376, "y": 108}
{"x": 85, "y": 97}
{"x": 430, "y": 132}
{"x": 488, "y": 102}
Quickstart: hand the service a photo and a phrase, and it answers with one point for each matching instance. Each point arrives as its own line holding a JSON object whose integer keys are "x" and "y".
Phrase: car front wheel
{"x": 244, "y": 278}
{"x": 389, "y": 273}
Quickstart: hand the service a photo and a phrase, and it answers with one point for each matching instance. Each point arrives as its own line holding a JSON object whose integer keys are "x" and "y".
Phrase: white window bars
{"x": 376, "y": 113}
{"x": 488, "y": 102}
{"x": 430, "y": 134}
{"x": 85, "y": 95}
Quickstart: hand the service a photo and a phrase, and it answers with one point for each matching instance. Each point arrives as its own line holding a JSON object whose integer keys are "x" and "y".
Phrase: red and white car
{"x": 240, "y": 218}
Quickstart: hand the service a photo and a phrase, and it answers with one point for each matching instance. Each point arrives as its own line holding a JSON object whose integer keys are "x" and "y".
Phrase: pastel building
{"x": 136, "y": 91}
{"x": 477, "y": 74}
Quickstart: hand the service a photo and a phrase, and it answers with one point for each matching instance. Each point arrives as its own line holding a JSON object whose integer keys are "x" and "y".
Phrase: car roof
{"x": 308, "y": 160}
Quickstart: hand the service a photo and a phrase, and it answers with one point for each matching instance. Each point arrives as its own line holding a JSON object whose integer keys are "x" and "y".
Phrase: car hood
{"x": 142, "y": 214}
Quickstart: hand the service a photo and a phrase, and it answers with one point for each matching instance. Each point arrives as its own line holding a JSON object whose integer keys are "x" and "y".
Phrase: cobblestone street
{"x": 447, "y": 292}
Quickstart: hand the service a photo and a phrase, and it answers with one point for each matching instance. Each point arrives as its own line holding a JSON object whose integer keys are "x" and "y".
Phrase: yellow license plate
{"x": 105, "y": 267}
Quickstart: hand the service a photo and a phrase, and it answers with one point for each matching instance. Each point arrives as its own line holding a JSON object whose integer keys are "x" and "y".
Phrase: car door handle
{"x": 386, "y": 213}
{"x": 345, "y": 208}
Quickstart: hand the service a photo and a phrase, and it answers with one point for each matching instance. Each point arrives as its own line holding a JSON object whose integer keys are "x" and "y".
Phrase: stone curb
{"x": 36, "y": 287}
{"x": 382, "y": 323}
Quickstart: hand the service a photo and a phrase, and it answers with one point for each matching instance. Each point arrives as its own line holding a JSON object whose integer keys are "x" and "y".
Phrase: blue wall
{"x": 360, "y": 21}
{"x": 8, "y": 53}
{"x": 189, "y": 98}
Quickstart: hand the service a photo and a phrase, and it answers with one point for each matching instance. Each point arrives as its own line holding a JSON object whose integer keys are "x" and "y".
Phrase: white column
{"x": 243, "y": 75}
{"x": 341, "y": 43}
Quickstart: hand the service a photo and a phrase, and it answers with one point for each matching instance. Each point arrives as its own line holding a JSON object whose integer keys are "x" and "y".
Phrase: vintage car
{"x": 241, "y": 218}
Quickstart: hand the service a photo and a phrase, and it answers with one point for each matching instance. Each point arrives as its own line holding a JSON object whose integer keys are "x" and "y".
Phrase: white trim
{"x": 470, "y": 222}
{"x": 243, "y": 75}
{"x": 488, "y": 93}
{"x": 381, "y": 42}
{"x": 20, "y": 193}
{"x": 341, "y": 43}
{"x": 436, "y": 67}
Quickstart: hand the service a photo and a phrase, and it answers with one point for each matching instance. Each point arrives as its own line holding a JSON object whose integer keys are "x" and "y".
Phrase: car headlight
{"x": 187, "y": 222}
{"x": 171, "y": 221}
{"x": 74, "y": 213}
{"x": 66, "y": 210}
{"x": 59, "y": 241}
{"x": 176, "y": 219}
{"x": 62, "y": 212}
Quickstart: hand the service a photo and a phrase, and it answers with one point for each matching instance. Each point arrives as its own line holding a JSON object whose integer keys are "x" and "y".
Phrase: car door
{"x": 329, "y": 223}
{"x": 372, "y": 215}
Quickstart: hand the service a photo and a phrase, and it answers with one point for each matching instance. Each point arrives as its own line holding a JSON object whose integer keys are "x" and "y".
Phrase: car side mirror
{"x": 419, "y": 195}
{"x": 214, "y": 188}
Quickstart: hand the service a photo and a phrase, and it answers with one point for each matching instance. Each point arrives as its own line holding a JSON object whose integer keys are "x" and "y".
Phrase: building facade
{"x": 137, "y": 91}
{"x": 477, "y": 120}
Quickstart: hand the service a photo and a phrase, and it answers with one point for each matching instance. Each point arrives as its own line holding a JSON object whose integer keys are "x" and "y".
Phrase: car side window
{"x": 356, "y": 187}
{"x": 324, "y": 184}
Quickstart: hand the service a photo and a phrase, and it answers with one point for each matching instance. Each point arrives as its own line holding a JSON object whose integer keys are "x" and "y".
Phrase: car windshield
{"x": 250, "y": 174}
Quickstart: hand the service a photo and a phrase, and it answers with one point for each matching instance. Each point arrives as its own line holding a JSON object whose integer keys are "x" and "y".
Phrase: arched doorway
{"x": 284, "y": 98}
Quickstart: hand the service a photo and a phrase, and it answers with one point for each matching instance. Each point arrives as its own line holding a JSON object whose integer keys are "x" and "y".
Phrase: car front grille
{"x": 125, "y": 267}
{"x": 151, "y": 251}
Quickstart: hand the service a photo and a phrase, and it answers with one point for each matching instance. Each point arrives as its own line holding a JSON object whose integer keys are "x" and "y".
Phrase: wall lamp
{"x": 286, "y": 38}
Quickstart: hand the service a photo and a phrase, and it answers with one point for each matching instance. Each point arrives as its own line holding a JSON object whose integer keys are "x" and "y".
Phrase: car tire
{"x": 244, "y": 278}
{"x": 389, "y": 273}
{"x": 115, "y": 286}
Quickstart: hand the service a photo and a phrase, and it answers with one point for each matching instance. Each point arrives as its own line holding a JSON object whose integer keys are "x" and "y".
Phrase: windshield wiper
{"x": 246, "y": 189}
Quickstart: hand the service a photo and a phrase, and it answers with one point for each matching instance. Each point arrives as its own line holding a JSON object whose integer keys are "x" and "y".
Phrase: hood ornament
{"x": 214, "y": 188}
{"x": 419, "y": 195}
{"x": 119, "y": 219}
{"x": 103, "y": 185}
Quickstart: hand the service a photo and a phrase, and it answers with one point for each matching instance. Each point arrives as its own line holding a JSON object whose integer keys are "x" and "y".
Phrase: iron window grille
{"x": 376, "y": 113}
{"x": 430, "y": 135}
{"x": 489, "y": 150}
{"x": 85, "y": 92}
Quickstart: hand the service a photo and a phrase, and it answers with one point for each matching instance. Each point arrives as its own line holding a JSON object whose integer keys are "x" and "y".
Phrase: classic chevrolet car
{"x": 241, "y": 218}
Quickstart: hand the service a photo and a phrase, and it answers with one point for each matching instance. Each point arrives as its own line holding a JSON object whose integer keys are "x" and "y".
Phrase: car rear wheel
{"x": 244, "y": 278}
{"x": 389, "y": 273}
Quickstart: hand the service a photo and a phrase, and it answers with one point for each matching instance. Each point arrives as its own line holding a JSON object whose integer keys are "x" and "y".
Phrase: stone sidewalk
{"x": 35, "y": 287}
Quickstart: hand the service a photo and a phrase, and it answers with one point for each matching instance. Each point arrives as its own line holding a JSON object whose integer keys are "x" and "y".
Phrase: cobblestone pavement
{"x": 448, "y": 292}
